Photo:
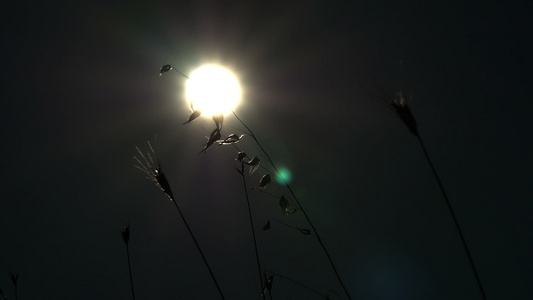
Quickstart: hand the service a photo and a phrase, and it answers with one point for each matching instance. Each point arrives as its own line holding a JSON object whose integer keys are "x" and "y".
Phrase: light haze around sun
{"x": 213, "y": 90}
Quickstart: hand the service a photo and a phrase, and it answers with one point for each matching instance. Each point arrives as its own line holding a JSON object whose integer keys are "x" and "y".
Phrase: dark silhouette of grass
{"x": 250, "y": 132}
{"x": 241, "y": 172}
{"x": 404, "y": 112}
{"x": 152, "y": 168}
{"x": 254, "y": 163}
{"x": 14, "y": 279}
{"x": 126, "y": 238}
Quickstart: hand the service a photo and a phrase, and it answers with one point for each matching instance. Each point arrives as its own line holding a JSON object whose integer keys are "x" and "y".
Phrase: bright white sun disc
{"x": 213, "y": 90}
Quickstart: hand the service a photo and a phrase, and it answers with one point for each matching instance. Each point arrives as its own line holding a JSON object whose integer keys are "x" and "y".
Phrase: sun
{"x": 213, "y": 90}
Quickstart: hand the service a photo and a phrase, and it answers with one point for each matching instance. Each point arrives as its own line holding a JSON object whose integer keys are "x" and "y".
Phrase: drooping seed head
{"x": 164, "y": 69}
{"x": 404, "y": 112}
{"x": 126, "y": 233}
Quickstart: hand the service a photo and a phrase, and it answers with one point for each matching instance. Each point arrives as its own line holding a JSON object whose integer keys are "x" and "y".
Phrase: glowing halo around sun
{"x": 213, "y": 90}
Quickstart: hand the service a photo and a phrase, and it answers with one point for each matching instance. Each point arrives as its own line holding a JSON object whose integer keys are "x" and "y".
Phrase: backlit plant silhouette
{"x": 253, "y": 164}
{"x": 154, "y": 171}
{"x": 399, "y": 103}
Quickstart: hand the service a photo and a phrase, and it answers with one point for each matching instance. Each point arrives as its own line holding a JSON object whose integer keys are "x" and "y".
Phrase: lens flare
{"x": 284, "y": 175}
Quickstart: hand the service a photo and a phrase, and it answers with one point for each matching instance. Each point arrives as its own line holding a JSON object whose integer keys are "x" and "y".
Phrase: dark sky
{"x": 80, "y": 89}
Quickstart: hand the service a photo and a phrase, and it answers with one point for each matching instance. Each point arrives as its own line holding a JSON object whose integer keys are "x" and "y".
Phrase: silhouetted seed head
{"x": 219, "y": 120}
{"x": 126, "y": 233}
{"x": 14, "y": 277}
{"x": 164, "y": 69}
{"x": 268, "y": 286}
{"x": 304, "y": 231}
{"x": 154, "y": 171}
{"x": 215, "y": 135}
{"x": 195, "y": 114}
{"x": 231, "y": 139}
{"x": 265, "y": 180}
{"x": 240, "y": 156}
{"x": 266, "y": 226}
{"x": 404, "y": 112}
{"x": 253, "y": 163}
{"x": 285, "y": 206}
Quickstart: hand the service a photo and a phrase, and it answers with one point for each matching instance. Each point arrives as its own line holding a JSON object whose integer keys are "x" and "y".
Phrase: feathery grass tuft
{"x": 153, "y": 170}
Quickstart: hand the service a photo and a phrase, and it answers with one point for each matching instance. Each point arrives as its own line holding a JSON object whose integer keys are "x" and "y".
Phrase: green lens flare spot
{"x": 284, "y": 175}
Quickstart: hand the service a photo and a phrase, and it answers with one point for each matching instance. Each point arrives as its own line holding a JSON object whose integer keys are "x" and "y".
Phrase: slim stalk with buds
{"x": 14, "y": 280}
{"x": 254, "y": 165}
{"x": 126, "y": 238}
{"x": 250, "y": 132}
{"x": 404, "y": 112}
{"x": 154, "y": 172}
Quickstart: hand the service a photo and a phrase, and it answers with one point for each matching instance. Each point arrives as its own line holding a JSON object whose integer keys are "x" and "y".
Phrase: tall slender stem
{"x": 443, "y": 191}
{"x": 299, "y": 204}
{"x": 129, "y": 267}
{"x": 199, "y": 249}
{"x": 252, "y": 227}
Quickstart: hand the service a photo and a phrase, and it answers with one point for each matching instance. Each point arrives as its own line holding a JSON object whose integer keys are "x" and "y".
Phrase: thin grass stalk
{"x": 154, "y": 171}
{"x": 129, "y": 268}
{"x": 126, "y": 239}
{"x": 199, "y": 250}
{"x": 14, "y": 280}
{"x": 299, "y": 204}
{"x": 444, "y": 194}
{"x": 253, "y": 229}
{"x": 300, "y": 284}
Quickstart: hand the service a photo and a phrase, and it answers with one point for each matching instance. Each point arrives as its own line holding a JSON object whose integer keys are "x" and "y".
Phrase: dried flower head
{"x": 404, "y": 112}
{"x": 240, "y": 156}
{"x": 151, "y": 167}
{"x": 253, "y": 163}
{"x": 230, "y": 139}
{"x": 265, "y": 180}
{"x": 285, "y": 206}
{"x": 164, "y": 69}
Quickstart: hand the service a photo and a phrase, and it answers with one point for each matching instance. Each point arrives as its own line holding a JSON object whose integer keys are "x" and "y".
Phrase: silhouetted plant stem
{"x": 126, "y": 238}
{"x": 252, "y": 227}
{"x": 300, "y": 284}
{"x": 443, "y": 191}
{"x": 297, "y": 202}
{"x": 14, "y": 280}
{"x": 129, "y": 268}
{"x": 199, "y": 249}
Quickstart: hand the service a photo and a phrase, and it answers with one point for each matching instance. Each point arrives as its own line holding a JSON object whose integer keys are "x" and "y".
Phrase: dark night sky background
{"x": 80, "y": 89}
